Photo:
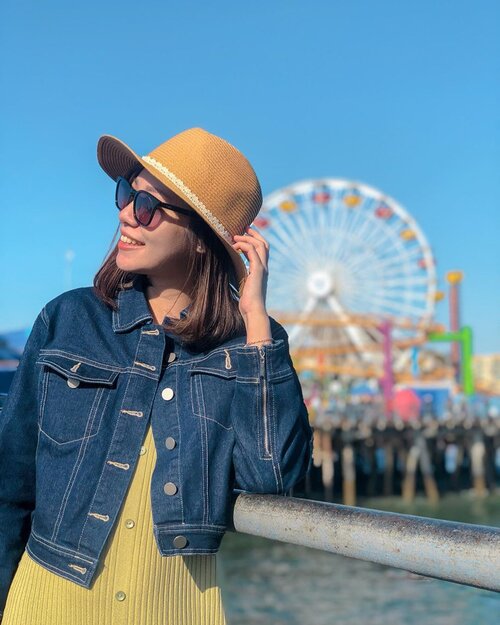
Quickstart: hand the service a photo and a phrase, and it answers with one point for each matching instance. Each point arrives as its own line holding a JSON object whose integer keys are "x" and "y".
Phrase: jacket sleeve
{"x": 18, "y": 441}
{"x": 273, "y": 438}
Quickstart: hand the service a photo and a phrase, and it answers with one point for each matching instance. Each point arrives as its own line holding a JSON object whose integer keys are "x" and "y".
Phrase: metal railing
{"x": 456, "y": 552}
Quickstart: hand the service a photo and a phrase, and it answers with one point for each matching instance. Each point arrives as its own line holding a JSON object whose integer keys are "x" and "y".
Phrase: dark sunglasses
{"x": 145, "y": 204}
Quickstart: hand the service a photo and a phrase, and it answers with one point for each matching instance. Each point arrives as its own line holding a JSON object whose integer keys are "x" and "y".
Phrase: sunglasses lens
{"x": 144, "y": 208}
{"x": 123, "y": 193}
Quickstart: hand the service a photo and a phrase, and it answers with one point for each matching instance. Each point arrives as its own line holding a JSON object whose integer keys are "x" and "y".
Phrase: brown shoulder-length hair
{"x": 213, "y": 314}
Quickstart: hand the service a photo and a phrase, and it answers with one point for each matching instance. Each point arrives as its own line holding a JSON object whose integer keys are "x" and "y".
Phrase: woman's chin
{"x": 126, "y": 264}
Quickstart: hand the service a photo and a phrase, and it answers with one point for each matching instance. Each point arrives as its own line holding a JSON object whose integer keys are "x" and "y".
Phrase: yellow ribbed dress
{"x": 134, "y": 585}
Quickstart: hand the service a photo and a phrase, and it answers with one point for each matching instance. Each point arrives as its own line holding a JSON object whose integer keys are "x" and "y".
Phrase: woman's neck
{"x": 166, "y": 300}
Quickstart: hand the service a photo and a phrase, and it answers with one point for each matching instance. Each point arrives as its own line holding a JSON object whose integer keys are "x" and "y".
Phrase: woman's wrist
{"x": 258, "y": 327}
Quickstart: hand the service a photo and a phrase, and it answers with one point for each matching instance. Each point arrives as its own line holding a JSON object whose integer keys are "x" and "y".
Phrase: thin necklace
{"x": 165, "y": 314}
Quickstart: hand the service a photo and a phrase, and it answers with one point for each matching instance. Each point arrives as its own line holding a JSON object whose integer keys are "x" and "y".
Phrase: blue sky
{"x": 402, "y": 96}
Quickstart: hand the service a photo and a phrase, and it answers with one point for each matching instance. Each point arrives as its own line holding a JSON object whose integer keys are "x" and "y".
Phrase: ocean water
{"x": 265, "y": 582}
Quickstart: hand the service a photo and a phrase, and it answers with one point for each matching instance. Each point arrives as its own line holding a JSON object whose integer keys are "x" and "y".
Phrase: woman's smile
{"x": 126, "y": 243}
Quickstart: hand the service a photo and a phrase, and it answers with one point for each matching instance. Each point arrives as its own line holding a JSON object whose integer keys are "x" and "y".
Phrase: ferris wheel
{"x": 344, "y": 251}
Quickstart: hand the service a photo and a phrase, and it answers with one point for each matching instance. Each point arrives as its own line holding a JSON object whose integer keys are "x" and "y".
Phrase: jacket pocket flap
{"x": 213, "y": 371}
{"x": 220, "y": 364}
{"x": 71, "y": 367}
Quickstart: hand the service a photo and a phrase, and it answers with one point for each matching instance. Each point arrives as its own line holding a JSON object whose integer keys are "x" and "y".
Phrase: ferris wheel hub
{"x": 320, "y": 283}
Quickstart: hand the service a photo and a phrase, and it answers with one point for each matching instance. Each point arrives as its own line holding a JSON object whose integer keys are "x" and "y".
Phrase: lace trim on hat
{"x": 211, "y": 218}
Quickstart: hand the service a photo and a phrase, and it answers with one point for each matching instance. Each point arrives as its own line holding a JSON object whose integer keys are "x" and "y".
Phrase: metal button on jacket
{"x": 167, "y": 393}
{"x": 120, "y": 595}
{"x": 171, "y": 357}
{"x": 170, "y": 442}
{"x": 170, "y": 488}
{"x": 129, "y": 524}
{"x": 180, "y": 542}
{"x": 72, "y": 383}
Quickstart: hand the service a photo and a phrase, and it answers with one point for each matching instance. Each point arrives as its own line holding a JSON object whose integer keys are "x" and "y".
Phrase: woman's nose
{"x": 126, "y": 214}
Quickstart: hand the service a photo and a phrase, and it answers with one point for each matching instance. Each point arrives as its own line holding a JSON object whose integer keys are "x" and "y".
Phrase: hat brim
{"x": 117, "y": 159}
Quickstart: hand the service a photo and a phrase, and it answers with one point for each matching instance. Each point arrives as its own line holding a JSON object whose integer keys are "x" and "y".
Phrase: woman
{"x": 141, "y": 404}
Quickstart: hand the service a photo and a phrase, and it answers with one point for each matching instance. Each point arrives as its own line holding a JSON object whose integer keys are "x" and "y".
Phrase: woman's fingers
{"x": 251, "y": 242}
{"x": 255, "y": 232}
{"x": 251, "y": 253}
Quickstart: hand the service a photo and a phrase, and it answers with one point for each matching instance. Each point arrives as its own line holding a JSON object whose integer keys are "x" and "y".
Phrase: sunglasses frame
{"x": 158, "y": 203}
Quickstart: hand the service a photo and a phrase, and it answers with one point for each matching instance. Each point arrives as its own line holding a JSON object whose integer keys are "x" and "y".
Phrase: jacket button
{"x": 120, "y": 595}
{"x": 171, "y": 357}
{"x": 170, "y": 488}
{"x": 170, "y": 442}
{"x": 142, "y": 450}
{"x": 72, "y": 383}
{"x": 167, "y": 393}
{"x": 129, "y": 524}
{"x": 180, "y": 542}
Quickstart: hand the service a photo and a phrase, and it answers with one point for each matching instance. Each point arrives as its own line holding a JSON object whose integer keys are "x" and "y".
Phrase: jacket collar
{"x": 132, "y": 307}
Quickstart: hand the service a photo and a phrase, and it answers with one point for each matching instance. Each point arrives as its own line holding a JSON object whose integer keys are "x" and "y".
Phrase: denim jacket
{"x": 231, "y": 418}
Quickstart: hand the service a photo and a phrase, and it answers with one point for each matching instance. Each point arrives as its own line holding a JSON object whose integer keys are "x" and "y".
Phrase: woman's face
{"x": 161, "y": 246}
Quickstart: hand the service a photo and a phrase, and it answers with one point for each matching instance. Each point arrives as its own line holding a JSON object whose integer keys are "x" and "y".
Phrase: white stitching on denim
{"x": 96, "y": 491}
{"x": 192, "y": 196}
{"x": 204, "y": 453}
{"x": 70, "y": 356}
{"x": 101, "y": 517}
{"x": 276, "y": 464}
{"x": 155, "y": 332}
{"x": 79, "y": 460}
{"x": 58, "y": 548}
{"x": 230, "y": 427}
{"x": 179, "y": 469}
{"x": 134, "y": 413}
{"x": 75, "y": 368}
{"x": 228, "y": 359}
{"x": 80, "y": 569}
{"x": 143, "y": 364}
{"x": 48, "y": 565}
{"x": 120, "y": 465}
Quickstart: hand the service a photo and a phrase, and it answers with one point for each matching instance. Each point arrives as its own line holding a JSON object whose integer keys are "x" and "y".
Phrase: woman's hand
{"x": 256, "y": 249}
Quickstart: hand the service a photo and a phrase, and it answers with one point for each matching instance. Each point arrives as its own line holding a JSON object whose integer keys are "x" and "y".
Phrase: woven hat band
{"x": 210, "y": 217}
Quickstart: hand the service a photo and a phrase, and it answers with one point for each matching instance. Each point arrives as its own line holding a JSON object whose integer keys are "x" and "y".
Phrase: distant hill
{"x": 14, "y": 341}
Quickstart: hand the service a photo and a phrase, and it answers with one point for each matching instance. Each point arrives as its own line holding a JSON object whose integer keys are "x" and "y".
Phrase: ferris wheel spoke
{"x": 284, "y": 259}
{"x": 400, "y": 305}
{"x": 359, "y": 219}
{"x": 368, "y": 256}
{"x": 299, "y": 329}
{"x": 384, "y": 264}
{"x": 294, "y": 236}
{"x": 375, "y": 240}
{"x": 292, "y": 250}
{"x": 355, "y": 334}
{"x": 378, "y": 237}
{"x": 364, "y": 233}
{"x": 406, "y": 282}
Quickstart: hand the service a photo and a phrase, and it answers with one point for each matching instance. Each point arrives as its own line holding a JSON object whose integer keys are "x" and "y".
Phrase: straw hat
{"x": 209, "y": 173}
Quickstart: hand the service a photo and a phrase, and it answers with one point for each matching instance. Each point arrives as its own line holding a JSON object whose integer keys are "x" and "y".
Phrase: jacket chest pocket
{"x": 212, "y": 388}
{"x": 73, "y": 399}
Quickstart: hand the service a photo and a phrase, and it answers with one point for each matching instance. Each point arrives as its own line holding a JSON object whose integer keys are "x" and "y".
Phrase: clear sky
{"x": 403, "y": 96}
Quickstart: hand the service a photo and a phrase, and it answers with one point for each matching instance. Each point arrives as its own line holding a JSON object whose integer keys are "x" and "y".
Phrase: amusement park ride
{"x": 353, "y": 280}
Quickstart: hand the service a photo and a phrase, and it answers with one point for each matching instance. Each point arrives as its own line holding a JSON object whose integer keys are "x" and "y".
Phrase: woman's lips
{"x": 127, "y": 243}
